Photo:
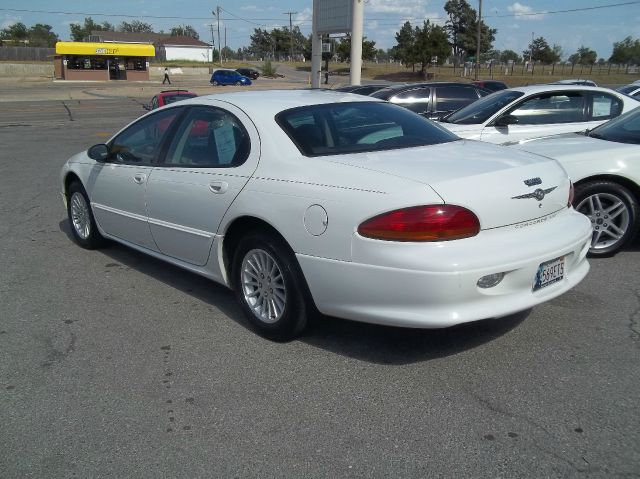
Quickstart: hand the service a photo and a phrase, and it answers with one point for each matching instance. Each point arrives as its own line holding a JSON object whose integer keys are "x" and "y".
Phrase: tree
{"x": 462, "y": 28}
{"x": 626, "y": 51}
{"x": 344, "y": 48}
{"x": 432, "y": 45}
{"x": 507, "y": 55}
{"x": 135, "y": 26}
{"x": 184, "y": 31}
{"x": 540, "y": 51}
{"x": 405, "y": 50}
{"x": 80, "y": 32}
{"x": 261, "y": 44}
{"x": 41, "y": 36}
{"x": 584, "y": 56}
{"x": 16, "y": 33}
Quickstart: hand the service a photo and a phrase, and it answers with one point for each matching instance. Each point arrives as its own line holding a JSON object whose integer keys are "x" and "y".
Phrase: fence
{"x": 558, "y": 69}
{"x": 26, "y": 54}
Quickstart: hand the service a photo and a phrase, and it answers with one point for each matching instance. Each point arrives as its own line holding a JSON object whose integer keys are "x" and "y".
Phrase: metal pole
{"x": 316, "y": 50}
{"x": 212, "y": 41}
{"x": 478, "y": 40}
{"x": 357, "y": 22}
{"x": 290, "y": 32}
{"x": 217, "y": 15}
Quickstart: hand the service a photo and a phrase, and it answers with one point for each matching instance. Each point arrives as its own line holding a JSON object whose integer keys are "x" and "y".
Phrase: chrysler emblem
{"x": 539, "y": 194}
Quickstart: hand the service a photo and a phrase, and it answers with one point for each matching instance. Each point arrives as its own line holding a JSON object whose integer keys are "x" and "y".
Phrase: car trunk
{"x": 502, "y": 186}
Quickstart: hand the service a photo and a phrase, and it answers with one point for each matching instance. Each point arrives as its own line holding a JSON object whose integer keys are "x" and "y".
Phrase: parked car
{"x": 575, "y": 81}
{"x": 228, "y": 77}
{"x": 249, "y": 73}
{"x": 539, "y": 110}
{"x": 604, "y": 164}
{"x": 491, "y": 85}
{"x": 363, "y": 89}
{"x": 631, "y": 90}
{"x": 167, "y": 97}
{"x": 433, "y": 99}
{"x": 305, "y": 199}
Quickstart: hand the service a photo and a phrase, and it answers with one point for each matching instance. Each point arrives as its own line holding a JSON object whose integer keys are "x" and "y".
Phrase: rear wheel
{"x": 269, "y": 287}
{"x": 83, "y": 225}
{"x": 215, "y": 83}
{"x": 613, "y": 211}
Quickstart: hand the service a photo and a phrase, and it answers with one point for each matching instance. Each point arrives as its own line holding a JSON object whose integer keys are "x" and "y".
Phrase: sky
{"x": 516, "y": 21}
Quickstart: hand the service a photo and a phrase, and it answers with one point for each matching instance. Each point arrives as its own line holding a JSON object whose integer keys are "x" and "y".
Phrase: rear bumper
{"x": 435, "y": 285}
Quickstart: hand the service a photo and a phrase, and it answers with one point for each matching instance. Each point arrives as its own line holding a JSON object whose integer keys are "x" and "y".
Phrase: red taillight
{"x": 422, "y": 223}
{"x": 571, "y": 194}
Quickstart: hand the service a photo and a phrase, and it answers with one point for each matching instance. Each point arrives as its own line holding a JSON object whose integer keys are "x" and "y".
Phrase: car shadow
{"x": 365, "y": 342}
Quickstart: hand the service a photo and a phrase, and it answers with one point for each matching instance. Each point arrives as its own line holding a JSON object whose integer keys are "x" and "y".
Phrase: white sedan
{"x": 539, "y": 110}
{"x": 308, "y": 199}
{"x": 604, "y": 163}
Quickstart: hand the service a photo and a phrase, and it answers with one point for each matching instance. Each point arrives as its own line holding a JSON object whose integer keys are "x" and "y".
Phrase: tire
{"x": 215, "y": 83}
{"x": 238, "y": 83}
{"x": 83, "y": 225}
{"x": 613, "y": 211}
{"x": 270, "y": 287}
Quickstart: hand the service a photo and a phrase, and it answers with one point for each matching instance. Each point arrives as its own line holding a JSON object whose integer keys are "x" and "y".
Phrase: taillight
{"x": 571, "y": 194}
{"x": 422, "y": 223}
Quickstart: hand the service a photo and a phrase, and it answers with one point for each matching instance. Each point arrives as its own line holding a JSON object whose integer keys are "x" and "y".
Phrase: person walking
{"x": 166, "y": 76}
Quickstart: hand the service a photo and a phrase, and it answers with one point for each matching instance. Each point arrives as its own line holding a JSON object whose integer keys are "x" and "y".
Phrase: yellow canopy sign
{"x": 110, "y": 49}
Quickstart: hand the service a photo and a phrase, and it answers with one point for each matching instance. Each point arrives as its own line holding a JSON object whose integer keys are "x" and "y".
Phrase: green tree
{"x": 344, "y": 48}
{"x": 80, "y": 32}
{"x": 540, "y": 51}
{"x": 432, "y": 45}
{"x": 507, "y": 55}
{"x": 184, "y": 31}
{"x": 135, "y": 26}
{"x": 15, "y": 34}
{"x": 626, "y": 51}
{"x": 462, "y": 28}
{"x": 405, "y": 48}
{"x": 42, "y": 36}
{"x": 584, "y": 56}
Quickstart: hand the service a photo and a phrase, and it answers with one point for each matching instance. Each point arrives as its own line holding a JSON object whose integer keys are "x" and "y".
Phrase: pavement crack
{"x": 634, "y": 320}
{"x": 68, "y": 111}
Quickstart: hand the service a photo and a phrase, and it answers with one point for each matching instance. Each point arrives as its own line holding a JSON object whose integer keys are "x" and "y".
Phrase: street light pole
{"x": 478, "y": 39}
{"x": 216, "y": 13}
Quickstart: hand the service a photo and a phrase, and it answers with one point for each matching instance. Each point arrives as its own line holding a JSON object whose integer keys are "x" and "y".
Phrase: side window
{"x": 549, "y": 108}
{"x": 140, "y": 143}
{"x": 416, "y": 100}
{"x": 605, "y": 106}
{"x": 450, "y": 98}
{"x": 209, "y": 138}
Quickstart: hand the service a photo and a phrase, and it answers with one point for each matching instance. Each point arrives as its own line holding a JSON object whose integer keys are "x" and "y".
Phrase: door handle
{"x": 139, "y": 178}
{"x": 218, "y": 187}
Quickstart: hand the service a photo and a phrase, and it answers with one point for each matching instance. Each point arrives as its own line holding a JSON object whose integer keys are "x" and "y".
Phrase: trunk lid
{"x": 502, "y": 186}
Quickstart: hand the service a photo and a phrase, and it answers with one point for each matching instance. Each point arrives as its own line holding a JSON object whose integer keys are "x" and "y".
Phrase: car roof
{"x": 557, "y": 87}
{"x": 176, "y": 92}
{"x": 263, "y": 105}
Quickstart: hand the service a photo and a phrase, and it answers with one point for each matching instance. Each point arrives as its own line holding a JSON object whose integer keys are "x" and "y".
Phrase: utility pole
{"x": 216, "y": 13}
{"x": 531, "y": 49}
{"x": 212, "y": 42}
{"x": 290, "y": 31}
{"x": 478, "y": 40}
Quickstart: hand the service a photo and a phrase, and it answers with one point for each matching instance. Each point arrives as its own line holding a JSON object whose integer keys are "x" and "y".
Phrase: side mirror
{"x": 506, "y": 120}
{"x": 99, "y": 152}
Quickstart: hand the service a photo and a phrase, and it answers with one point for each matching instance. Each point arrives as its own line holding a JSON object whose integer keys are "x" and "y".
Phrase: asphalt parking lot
{"x": 113, "y": 364}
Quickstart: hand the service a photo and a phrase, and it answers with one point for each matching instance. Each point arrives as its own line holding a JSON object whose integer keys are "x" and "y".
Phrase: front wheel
{"x": 238, "y": 83}
{"x": 83, "y": 225}
{"x": 613, "y": 211}
{"x": 270, "y": 288}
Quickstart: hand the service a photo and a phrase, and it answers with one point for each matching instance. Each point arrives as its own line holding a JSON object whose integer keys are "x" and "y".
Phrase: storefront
{"x": 102, "y": 61}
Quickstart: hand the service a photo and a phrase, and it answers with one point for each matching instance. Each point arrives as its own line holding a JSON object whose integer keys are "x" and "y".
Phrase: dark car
{"x": 363, "y": 89}
{"x": 433, "y": 99}
{"x": 168, "y": 96}
{"x": 491, "y": 85}
{"x": 228, "y": 77}
{"x": 249, "y": 73}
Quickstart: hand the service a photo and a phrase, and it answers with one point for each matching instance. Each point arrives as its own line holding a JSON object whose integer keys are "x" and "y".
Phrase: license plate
{"x": 549, "y": 272}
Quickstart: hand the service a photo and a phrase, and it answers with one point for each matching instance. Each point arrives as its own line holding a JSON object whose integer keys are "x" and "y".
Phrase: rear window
{"x": 338, "y": 128}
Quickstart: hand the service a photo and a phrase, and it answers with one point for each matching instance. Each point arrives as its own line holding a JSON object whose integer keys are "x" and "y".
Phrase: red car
{"x": 168, "y": 96}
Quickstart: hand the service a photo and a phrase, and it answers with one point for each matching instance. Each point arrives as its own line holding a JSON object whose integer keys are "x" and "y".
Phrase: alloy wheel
{"x": 610, "y": 218}
{"x": 263, "y": 286}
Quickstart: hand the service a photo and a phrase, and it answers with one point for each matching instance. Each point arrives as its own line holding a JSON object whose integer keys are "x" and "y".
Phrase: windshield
{"x": 481, "y": 110}
{"x": 627, "y": 90}
{"x": 339, "y": 128}
{"x": 624, "y": 129}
